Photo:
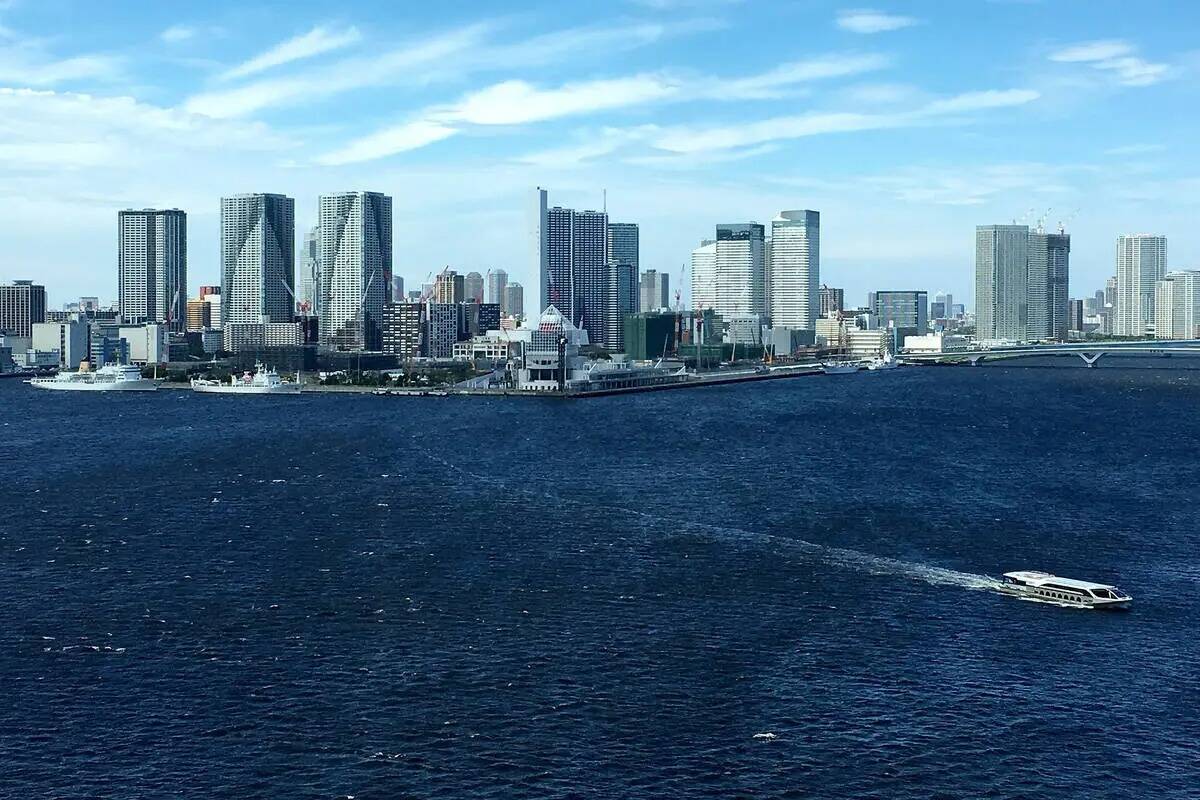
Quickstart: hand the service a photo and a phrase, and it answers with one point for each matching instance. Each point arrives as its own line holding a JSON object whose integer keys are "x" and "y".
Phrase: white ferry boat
{"x": 262, "y": 381}
{"x": 112, "y": 378}
{"x": 887, "y": 362}
{"x": 1047, "y": 588}
{"x": 840, "y": 367}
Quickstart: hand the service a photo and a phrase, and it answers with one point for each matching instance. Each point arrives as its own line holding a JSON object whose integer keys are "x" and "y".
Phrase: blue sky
{"x": 905, "y": 124}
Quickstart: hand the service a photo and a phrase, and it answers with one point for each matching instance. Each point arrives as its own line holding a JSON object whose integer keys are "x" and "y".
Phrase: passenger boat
{"x": 840, "y": 367}
{"x": 1047, "y": 588}
{"x": 111, "y": 378}
{"x": 263, "y": 381}
{"x": 887, "y": 362}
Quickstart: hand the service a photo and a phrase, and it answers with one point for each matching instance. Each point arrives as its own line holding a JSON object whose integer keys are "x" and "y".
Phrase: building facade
{"x": 69, "y": 339}
{"x": 152, "y": 266}
{"x": 22, "y": 305}
{"x": 1141, "y": 264}
{"x": 308, "y": 273}
{"x": 1001, "y": 267}
{"x": 621, "y": 301}
{"x": 356, "y": 269}
{"x": 473, "y": 287}
{"x": 258, "y": 264}
{"x": 514, "y": 300}
{"x": 795, "y": 270}
{"x": 572, "y": 256}
{"x": 1177, "y": 306}
{"x": 1047, "y": 278}
{"x": 704, "y": 275}
{"x": 449, "y": 287}
{"x": 404, "y": 329}
{"x": 831, "y": 301}
{"x": 497, "y": 282}
{"x": 906, "y": 312}
{"x": 654, "y": 291}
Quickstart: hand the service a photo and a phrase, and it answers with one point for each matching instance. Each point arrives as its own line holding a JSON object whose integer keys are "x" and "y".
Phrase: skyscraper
{"x": 704, "y": 275}
{"x": 1047, "y": 278}
{"x": 22, "y": 305}
{"x": 947, "y": 305}
{"x": 795, "y": 269}
{"x": 621, "y": 300}
{"x": 1177, "y": 306}
{"x": 1141, "y": 263}
{"x": 571, "y": 252}
{"x": 623, "y": 244}
{"x": 654, "y": 291}
{"x": 514, "y": 300}
{"x": 1001, "y": 266}
{"x": 739, "y": 271}
{"x": 152, "y": 266}
{"x": 473, "y": 287}
{"x": 907, "y": 312}
{"x": 497, "y": 281}
{"x": 831, "y": 301}
{"x": 356, "y": 269}
{"x": 308, "y": 277}
{"x": 449, "y": 287}
{"x": 258, "y": 258}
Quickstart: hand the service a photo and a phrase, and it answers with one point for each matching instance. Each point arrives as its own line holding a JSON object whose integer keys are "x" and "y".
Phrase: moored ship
{"x": 111, "y": 378}
{"x": 1047, "y": 588}
{"x": 840, "y": 367}
{"x": 262, "y": 381}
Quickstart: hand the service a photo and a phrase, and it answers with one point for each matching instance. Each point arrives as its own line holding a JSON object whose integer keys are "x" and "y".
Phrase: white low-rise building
{"x": 148, "y": 344}
{"x": 935, "y": 343}
{"x": 867, "y": 344}
{"x": 69, "y": 339}
{"x": 492, "y": 346}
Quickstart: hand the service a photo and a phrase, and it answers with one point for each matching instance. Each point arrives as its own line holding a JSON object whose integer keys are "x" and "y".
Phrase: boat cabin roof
{"x": 1044, "y": 578}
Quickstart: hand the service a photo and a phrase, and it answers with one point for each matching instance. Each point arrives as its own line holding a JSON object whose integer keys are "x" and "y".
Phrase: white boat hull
{"x": 144, "y": 385}
{"x": 225, "y": 388}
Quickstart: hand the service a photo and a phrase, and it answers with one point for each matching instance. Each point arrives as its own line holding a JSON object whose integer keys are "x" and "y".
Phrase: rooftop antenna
{"x": 604, "y": 201}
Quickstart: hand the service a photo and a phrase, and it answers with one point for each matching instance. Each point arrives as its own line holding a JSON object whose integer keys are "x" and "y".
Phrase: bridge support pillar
{"x": 1090, "y": 358}
{"x": 975, "y": 360}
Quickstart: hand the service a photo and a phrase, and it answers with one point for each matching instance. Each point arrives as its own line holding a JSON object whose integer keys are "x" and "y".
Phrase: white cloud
{"x": 177, "y": 33}
{"x": 516, "y": 102}
{"x": 397, "y": 139}
{"x": 67, "y": 130}
{"x": 26, "y": 64}
{"x": 349, "y": 74}
{"x": 1134, "y": 150}
{"x": 1116, "y": 58}
{"x": 866, "y": 20}
{"x": 1092, "y": 51}
{"x": 317, "y": 41}
{"x": 767, "y": 84}
{"x": 686, "y": 139}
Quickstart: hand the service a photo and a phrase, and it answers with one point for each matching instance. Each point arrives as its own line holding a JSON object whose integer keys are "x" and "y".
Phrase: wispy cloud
{"x": 346, "y": 75}
{"x": 866, "y": 20}
{"x": 688, "y": 139}
{"x": 518, "y": 102}
{"x": 768, "y": 84}
{"x": 1116, "y": 58}
{"x": 177, "y": 33}
{"x": 67, "y": 130}
{"x": 29, "y": 66}
{"x": 396, "y": 139}
{"x": 317, "y": 41}
{"x": 1134, "y": 150}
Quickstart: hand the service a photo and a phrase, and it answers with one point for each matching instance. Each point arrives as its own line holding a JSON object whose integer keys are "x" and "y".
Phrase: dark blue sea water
{"x": 324, "y": 596}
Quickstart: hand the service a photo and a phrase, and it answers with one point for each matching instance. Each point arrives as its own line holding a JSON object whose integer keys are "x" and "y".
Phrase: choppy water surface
{"x": 382, "y": 597}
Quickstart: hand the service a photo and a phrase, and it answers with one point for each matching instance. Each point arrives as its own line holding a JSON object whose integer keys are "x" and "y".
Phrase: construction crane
{"x": 302, "y": 305}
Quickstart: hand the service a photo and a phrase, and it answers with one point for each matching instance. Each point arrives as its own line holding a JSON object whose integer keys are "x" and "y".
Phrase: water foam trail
{"x": 836, "y": 556}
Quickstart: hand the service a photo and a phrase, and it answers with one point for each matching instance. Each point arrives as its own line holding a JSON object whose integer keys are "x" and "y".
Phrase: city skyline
{"x": 864, "y": 121}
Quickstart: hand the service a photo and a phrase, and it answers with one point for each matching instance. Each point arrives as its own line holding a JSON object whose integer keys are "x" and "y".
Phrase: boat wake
{"x": 840, "y": 557}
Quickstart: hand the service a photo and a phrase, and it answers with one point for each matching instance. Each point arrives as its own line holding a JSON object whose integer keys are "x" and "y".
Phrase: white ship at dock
{"x": 262, "y": 381}
{"x": 111, "y": 378}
